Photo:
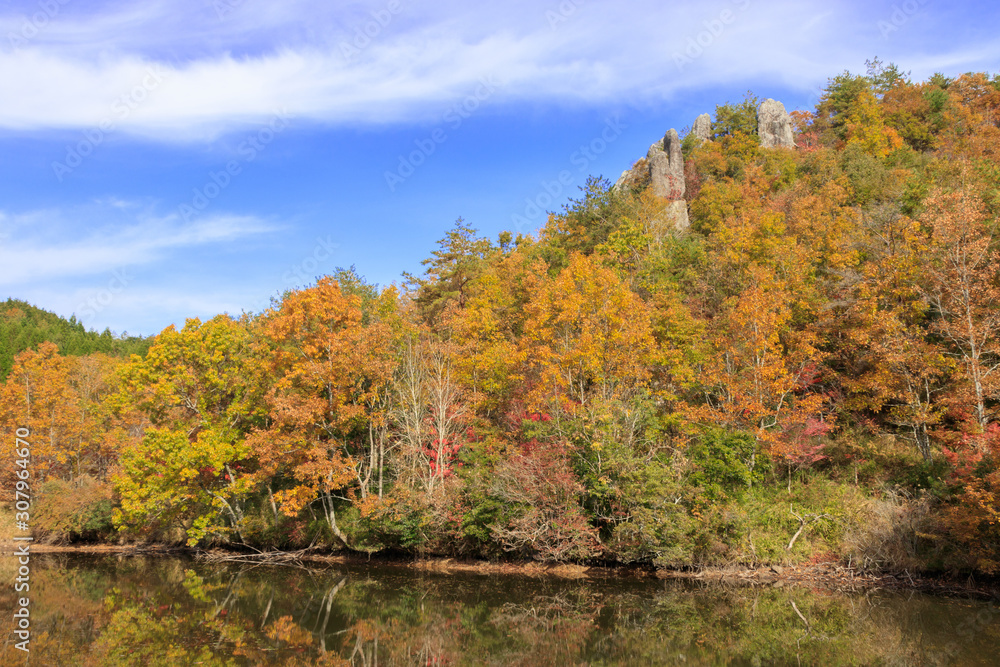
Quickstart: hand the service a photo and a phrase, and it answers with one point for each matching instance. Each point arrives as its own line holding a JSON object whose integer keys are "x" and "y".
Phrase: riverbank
{"x": 829, "y": 576}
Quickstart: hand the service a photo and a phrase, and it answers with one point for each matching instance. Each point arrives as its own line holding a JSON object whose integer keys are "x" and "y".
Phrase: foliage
{"x": 810, "y": 369}
{"x": 24, "y": 327}
{"x": 733, "y": 119}
{"x": 723, "y": 463}
{"x": 74, "y": 511}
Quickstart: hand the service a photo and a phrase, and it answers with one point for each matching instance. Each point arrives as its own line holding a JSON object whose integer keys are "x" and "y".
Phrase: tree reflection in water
{"x": 168, "y": 611}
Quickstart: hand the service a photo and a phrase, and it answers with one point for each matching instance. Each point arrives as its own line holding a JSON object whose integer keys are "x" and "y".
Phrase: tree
{"x": 865, "y": 125}
{"x": 732, "y": 119}
{"x": 758, "y": 378}
{"x": 965, "y": 291}
{"x": 543, "y": 493}
{"x": 841, "y": 92}
{"x": 460, "y": 257}
{"x": 586, "y": 335}
{"x": 325, "y": 437}
{"x": 431, "y": 411}
{"x": 170, "y": 479}
{"x": 488, "y": 357}
{"x": 890, "y": 367}
{"x": 37, "y": 395}
{"x": 201, "y": 389}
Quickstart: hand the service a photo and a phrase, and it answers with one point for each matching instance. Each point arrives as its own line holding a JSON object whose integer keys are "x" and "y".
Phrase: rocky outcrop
{"x": 666, "y": 177}
{"x": 666, "y": 167}
{"x": 702, "y": 128}
{"x": 774, "y": 125}
{"x": 677, "y": 214}
{"x": 663, "y": 170}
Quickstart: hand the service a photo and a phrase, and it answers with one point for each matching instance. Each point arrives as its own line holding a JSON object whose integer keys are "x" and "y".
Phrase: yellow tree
{"x": 890, "y": 367}
{"x": 589, "y": 351}
{"x": 758, "y": 377}
{"x": 586, "y": 337}
{"x": 200, "y": 389}
{"x": 488, "y": 358}
{"x": 866, "y": 126}
{"x": 94, "y": 378}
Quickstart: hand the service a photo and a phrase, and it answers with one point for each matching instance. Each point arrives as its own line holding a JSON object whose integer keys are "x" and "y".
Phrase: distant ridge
{"x": 24, "y": 326}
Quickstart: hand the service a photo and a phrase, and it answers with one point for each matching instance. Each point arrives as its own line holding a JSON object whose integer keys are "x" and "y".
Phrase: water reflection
{"x": 168, "y": 611}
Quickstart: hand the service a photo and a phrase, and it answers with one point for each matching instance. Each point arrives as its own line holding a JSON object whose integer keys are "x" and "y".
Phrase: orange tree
{"x": 966, "y": 294}
{"x": 759, "y": 301}
{"x": 60, "y": 400}
{"x": 331, "y": 364}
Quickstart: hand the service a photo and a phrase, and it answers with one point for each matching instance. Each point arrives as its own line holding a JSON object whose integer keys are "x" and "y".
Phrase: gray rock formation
{"x": 702, "y": 128}
{"x": 677, "y": 214}
{"x": 666, "y": 167}
{"x": 663, "y": 169}
{"x": 622, "y": 180}
{"x": 774, "y": 125}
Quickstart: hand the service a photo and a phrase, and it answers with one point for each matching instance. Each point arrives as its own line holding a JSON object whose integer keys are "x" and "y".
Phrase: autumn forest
{"x": 809, "y": 372}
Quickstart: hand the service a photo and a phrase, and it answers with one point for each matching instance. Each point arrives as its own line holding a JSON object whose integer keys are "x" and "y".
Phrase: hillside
{"x": 776, "y": 339}
{"x": 23, "y": 327}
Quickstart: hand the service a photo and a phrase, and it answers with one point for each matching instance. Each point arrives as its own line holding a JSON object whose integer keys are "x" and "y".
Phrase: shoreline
{"x": 828, "y": 576}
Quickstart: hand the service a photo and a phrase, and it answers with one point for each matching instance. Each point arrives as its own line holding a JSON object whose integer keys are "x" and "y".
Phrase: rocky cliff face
{"x": 774, "y": 125}
{"x": 662, "y": 169}
{"x": 702, "y": 128}
{"x": 666, "y": 167}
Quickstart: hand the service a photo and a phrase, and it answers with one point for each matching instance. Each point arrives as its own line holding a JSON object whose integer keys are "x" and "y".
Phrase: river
{"x": 157, "y": 610}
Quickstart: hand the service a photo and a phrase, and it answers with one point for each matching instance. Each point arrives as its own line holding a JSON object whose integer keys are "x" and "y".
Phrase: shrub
{"x": 548, "y": 523}
{"x": 722, "y": 461}
{"x": 74, "y": 511}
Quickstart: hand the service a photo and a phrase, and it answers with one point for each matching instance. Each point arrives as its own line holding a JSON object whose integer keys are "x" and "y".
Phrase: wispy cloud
{"x": 224, "y": 74}
{"x": 41, "y": 245}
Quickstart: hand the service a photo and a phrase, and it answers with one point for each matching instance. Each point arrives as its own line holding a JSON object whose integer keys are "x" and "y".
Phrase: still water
{"x": 169, "y": 611}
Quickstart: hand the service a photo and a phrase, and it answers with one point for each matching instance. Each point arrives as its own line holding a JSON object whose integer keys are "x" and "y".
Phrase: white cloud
{"x": 41, "y": 245}
{"x": 154, "y": 70}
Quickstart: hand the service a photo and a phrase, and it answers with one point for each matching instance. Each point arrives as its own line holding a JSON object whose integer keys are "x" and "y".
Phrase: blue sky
{"x": 176, "y": 158}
